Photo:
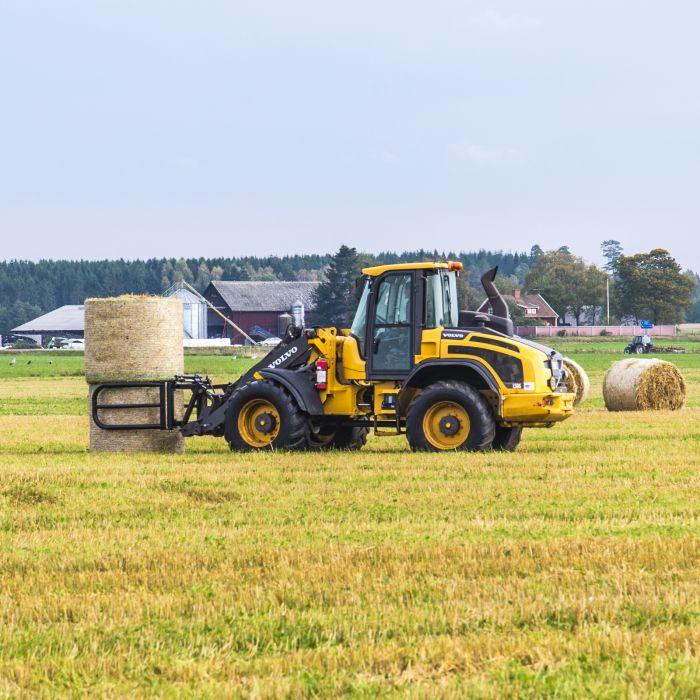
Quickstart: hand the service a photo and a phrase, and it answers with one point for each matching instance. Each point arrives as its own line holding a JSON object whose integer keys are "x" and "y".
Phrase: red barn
{"x": 255, "y": 307}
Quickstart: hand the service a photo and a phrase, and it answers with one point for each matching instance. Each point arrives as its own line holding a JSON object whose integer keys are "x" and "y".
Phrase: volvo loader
{"x": 411, "y": 364}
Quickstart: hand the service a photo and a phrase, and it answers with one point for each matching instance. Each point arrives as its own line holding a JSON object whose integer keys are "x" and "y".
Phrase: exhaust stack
{"x": 497, "y": 302}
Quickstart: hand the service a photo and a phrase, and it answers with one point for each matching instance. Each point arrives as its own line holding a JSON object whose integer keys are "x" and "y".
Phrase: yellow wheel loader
{"x": 411, "y": 364}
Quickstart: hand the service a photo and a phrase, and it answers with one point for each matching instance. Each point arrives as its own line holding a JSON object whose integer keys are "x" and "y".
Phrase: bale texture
{"x": 577, "y": 381}
{"x": 644, "y": 385}
{"x": 133, "y": 338}
{"x": 133, "y": 440}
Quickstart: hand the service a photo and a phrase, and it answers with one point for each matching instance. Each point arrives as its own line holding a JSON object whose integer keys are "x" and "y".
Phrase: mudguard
{"x": 300, "y": 384}
{"x": 446, "y": 365}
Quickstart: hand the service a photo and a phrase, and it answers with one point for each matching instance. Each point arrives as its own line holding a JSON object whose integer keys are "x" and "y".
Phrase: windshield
{"x": 441, "y": 306}
{"x": 359, "y": 325}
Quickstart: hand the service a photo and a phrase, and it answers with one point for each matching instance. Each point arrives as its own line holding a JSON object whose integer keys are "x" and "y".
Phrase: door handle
{"x": 375, "y": 345}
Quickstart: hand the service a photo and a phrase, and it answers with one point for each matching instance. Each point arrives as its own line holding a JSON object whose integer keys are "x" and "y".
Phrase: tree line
{"x": 645, "y": 285}
{"x": 29, "y": 289}
{"x": 627, "y": 289}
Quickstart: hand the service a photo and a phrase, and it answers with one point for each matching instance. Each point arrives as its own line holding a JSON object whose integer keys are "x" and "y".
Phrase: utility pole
{"x": 607, "y": 295}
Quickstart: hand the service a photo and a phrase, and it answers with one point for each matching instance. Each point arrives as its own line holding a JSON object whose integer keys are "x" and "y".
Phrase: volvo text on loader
{"x": 410, "y": 363}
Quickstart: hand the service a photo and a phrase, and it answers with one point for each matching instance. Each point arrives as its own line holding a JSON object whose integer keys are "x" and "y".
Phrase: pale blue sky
{"x": 149, "y": 128}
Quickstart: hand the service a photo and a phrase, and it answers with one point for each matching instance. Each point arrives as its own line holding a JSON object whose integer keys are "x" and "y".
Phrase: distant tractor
{"x": 640, "y": 345}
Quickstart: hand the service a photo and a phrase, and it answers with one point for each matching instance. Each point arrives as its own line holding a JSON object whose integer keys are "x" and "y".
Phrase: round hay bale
{"x": 577, "y": 381}
{"x": 133, "y": 440}
{"x": 133, "y": 338}
{"x": 643, "y": 385}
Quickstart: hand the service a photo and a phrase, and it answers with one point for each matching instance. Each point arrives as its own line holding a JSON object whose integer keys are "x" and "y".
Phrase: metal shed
{"x": 194, "y": 311}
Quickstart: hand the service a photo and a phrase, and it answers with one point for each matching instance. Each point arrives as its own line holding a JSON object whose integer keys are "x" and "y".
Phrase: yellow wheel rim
{"x": 446, "y": 425}
{"x": 259, "y": 423}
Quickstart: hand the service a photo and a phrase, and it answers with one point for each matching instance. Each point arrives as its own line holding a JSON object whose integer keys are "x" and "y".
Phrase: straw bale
{"x": 133, "y": 338}
{"x": 643, "y": 385}
{"x": 134, "y": 440}
{"x": 577, "y": 381}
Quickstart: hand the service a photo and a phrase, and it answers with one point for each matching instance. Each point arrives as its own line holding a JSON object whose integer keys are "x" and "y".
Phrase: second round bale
{"x": 644, "y": 385}
{"x": 576, "y": 381}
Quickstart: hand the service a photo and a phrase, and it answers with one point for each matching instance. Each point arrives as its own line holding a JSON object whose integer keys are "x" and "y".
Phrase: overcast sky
{"x": 144, "y": 128}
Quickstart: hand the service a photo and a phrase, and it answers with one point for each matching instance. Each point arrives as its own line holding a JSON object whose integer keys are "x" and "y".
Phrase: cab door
{"x": 390, "y": 342}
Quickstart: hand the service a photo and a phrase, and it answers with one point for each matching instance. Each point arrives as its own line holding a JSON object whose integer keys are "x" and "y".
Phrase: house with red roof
{"x": 534, "y": 306}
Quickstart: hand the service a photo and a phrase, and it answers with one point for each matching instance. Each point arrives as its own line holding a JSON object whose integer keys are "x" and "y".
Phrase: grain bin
{"x": 644, "y": 385}
{"x": 133, "y": 338}
{"x": 577, "y": 381}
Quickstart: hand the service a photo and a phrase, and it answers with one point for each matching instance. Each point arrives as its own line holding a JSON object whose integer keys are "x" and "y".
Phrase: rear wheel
{"x": 263, "y": 415}
{"x": 450, "y": 415}
{"x": 350, "y": 437}
{"x": 639, "y": 349}
{"x": 507, "y": 439}
{"x": 339, "y": 437}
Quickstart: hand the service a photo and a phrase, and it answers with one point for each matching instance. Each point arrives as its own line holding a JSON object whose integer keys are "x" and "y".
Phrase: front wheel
{"x": 262, "y": 415}
{"x": 450, "y": 415}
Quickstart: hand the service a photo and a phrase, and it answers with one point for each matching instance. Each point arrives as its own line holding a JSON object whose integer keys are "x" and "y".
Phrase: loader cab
{"x": 396, "y": 304}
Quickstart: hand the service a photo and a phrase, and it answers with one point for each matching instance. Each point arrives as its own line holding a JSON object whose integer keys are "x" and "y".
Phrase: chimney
{"x": 516, "y": 294}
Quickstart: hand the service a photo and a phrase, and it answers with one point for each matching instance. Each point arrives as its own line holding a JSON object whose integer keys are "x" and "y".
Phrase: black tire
{"x": 331, "y": 437}
{"x": 481, "y": 428}
{"x": 292, "y": 428}
{"x": 350, "y": 437}
{"x": 507, "y": 439}
{"x": 627, "y": 351}
{"x": 639, "y": 349}
{"x": 321, "y": 439}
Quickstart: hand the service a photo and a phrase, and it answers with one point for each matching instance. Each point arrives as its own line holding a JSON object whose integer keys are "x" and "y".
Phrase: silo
{"x": 283, "y": 321}
{"x": 194, "y": 311}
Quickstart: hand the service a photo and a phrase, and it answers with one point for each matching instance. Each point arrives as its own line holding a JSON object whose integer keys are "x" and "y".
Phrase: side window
{"x": 433, "y": 301}
{"x": 441, "y": 300}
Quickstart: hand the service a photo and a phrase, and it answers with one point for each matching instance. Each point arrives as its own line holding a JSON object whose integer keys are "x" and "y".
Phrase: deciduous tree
{"x": 652, "y": 285}
{"x": 568, "y": 283}
{"x": 612, "y": 250}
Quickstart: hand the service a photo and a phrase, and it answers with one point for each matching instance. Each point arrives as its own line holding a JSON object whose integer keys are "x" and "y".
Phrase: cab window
{"x": 359, "y": 324}
{"x": 392, "y": 344}
{"x": 441, "y": 300}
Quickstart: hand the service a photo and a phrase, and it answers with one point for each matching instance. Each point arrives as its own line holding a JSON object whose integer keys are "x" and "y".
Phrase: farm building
{"x": 65, "y": 322}
{"x": 261, "y": 309}
{"x": 534, "y": 306}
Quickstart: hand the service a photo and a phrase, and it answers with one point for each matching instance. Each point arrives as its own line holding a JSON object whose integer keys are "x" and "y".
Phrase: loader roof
{"x": 381, "y": 269}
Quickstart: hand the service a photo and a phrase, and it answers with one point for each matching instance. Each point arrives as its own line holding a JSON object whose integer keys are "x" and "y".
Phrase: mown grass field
{"x": 569, "y": 568}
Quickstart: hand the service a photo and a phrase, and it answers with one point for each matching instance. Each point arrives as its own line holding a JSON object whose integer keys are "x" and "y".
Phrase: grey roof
{"x": 66, "y": 318}
{"x": 265, "y": 296}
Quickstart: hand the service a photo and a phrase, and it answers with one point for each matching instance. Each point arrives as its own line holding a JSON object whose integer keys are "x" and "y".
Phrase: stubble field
{"x": 568, "y": 568}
